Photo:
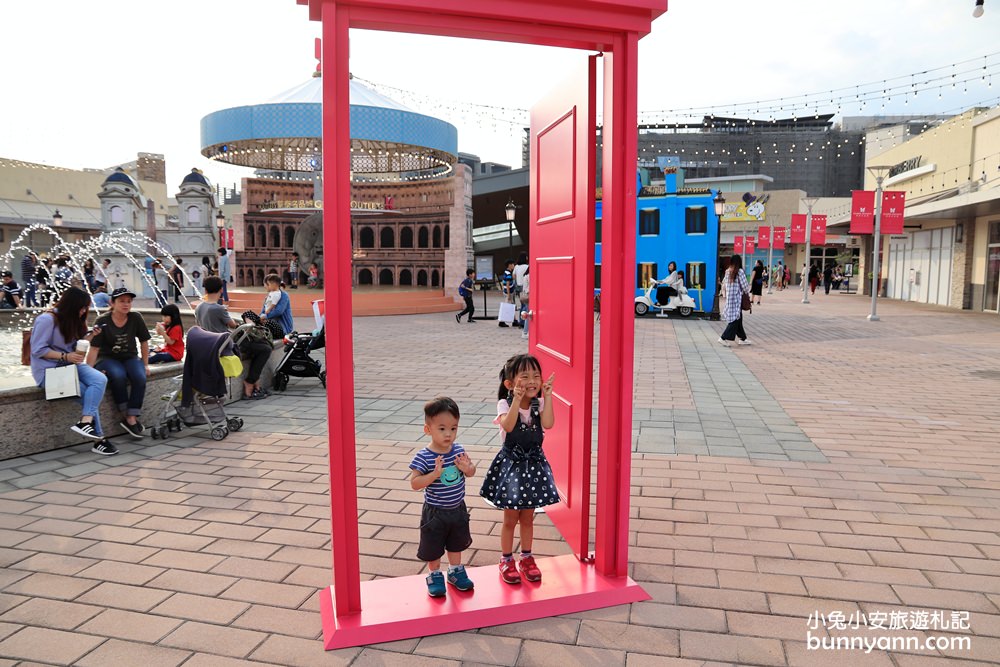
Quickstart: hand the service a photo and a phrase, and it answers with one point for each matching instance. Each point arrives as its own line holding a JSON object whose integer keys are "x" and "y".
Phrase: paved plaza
{"x": 836, "y": 466}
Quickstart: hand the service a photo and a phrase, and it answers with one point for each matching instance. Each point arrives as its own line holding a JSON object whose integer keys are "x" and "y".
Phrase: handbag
{"x": 231, "y": 365}
{"x": 506, "y": 312}
{"x": 62, "y": 382}
{"x": 745, "y": 302}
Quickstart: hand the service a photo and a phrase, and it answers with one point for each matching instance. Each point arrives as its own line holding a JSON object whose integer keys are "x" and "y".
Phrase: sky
{"x": 86, "y": 84}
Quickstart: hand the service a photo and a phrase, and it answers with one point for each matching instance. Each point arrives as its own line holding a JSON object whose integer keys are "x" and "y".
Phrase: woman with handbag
{"x": 736, "y": 291}
{"x": 55, "y": 344}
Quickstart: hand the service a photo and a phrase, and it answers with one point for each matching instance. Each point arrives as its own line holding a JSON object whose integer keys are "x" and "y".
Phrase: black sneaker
{"x": 471, "y": 321}
{"x": 104, "y": 448}
{"x": 134, "y": 430}
{"x": 503, "y": 324}
{"x": 87, "y": 430}
{"x": 458, "y": 317}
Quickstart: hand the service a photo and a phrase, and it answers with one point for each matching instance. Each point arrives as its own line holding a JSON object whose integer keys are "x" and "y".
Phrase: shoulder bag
{"x": 62, "y": 382}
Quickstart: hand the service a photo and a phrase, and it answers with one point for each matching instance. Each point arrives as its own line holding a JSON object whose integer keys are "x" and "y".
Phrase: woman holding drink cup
{"x": 59, "y": 338}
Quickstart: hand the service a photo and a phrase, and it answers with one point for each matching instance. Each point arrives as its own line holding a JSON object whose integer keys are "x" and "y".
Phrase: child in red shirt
{"x": 173, "y": 336}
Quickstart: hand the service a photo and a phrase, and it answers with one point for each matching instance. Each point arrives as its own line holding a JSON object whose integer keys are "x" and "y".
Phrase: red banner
{"x": 798, "y": 228}
{"x": 779, "y": 238}
{"x": 863, "y": 212}
{"x": 892, "y": 212}
{"x": 818, "y": 236}
{"x": 748, "y": 245}
{"x": 738, "y": 245}
{"x": 230, "y": 235}
{"x": 764, "y": 234}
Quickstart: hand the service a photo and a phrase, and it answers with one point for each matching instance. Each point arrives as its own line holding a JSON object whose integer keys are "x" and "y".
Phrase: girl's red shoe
{"x": 508, "y": 572}
{"x": 529, "y": 569}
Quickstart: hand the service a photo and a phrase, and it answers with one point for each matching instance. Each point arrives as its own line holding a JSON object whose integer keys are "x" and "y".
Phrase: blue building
{"x": 673, "y": 224}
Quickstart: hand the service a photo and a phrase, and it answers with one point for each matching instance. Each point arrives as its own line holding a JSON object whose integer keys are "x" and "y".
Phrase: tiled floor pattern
{"x": 210, "y": 553}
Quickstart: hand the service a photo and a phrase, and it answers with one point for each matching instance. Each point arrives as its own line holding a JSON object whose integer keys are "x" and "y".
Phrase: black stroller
{"x": 296, "y": 361}
{"x": 200, "y": 398}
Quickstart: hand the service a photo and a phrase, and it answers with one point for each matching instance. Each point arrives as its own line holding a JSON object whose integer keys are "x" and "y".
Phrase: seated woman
{"x": 277, "y": 307}
{"x": 114, "y": 353}
{"x": 668, "y": 287}
{"x": 173, "y": 336}
{"x": 54, "y": 340}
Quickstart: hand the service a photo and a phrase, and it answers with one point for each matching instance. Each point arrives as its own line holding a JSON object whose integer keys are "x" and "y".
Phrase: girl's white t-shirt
{"x": 272, "y": 298}
{"x": 519, "y": 274}
{"x": 503, "y": 408}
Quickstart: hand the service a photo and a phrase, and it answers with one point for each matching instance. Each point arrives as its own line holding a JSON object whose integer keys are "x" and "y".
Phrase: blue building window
{"x": 695, "y": 220}
{"x": 649, "y": 222}
{"x": 644, "y": 272}
{"x": 597, "y": 276}
{"x": 597, "y": 229}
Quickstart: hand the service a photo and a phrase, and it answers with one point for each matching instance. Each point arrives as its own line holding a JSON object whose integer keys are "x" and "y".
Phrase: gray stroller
{"x": 200, "y": 396}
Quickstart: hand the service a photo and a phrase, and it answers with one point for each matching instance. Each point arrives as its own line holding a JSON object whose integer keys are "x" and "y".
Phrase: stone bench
{"x": 35, "y": 425}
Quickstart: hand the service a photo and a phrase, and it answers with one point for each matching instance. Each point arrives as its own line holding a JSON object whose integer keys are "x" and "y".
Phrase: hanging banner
{"x": 863, "y": 212}
{"x": 748, "y": 245}
{"x": 738, "y": 245}
{"x": 798, "y": 228}
{"x": 764, "y": 234}
{"x": 893, "y": 204}
{"x": 818, "y": 236}
{"x": 779, "y": 238}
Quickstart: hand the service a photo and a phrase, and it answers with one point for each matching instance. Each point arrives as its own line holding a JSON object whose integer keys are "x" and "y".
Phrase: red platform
{"x": 399, "y": 608}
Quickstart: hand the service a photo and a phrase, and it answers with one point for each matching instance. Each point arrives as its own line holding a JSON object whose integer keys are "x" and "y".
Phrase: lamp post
{"x": 720, "y": 208}
{"x": 510, "y": 210}
{"x": 808, "y": 201}
{"x": 770, "y": 258}
{"x": 879, "y": 173}
{"x": 220, "y": 224}
{"x": 57, "y": 219}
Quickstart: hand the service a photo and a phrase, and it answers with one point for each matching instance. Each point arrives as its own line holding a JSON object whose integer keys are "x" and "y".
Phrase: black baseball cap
{"x": 122, "y": 291}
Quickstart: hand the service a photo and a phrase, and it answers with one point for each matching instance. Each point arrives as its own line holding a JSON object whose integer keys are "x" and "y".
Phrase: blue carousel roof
{"x": 285, "y": 133}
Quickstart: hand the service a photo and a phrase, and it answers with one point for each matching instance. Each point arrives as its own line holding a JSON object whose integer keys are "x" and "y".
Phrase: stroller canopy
{"x": 202, "y": 370}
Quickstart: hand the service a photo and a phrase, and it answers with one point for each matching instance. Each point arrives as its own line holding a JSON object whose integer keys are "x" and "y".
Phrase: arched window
{"x": 275, "y": 236}
{"x": 406, "y": 237}
{"x": 367, "y": 237}
{"x": 434, "y": 278}
{"x": 387, "y": 238}
{"x": 260, "y": 276}
{"x": 242, "y": 277}
{"x": 422, "y": 237}
{"x": 289, "y": 236}
{"x": 262, "y": 236}
{"x": 447, "y": 236}
{"x": 364, "y": 277}
{"x": 117, "y": 215}
{"x": 250, "y": 236}
{"x": 422, "y": 278}
{"x": 437, "y": 236}
{"x": 193, "y": 215}
{"x": 385, "y": 277}
{"x": 405, "y": 277}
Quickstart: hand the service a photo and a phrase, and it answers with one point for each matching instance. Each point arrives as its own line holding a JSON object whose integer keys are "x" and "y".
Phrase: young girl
{"x": 173, "y": 336}
{"x": 520, "y": 479}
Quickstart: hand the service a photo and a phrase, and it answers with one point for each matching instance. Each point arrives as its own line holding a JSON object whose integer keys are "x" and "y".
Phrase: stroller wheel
{"x": 219, "y": 432}
{"x": 154, "y": 432}
{"x": 234, "y": 424}
{"x": 280, "y": 381}
{"x": 322, "y": 378}
{"x": 164, "y": 433}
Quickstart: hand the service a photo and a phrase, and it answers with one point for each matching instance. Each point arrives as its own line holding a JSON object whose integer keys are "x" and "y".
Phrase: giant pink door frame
{"x": 611, "y": 26}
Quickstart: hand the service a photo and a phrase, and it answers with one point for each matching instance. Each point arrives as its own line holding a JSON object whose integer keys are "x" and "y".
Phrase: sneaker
{"x": 104, "y": 448}
{"x": 724, "y": 343}
{"x": 524, "y": 334}
{"x": 86, "y": 430}
{"x": 134, "y": 430}
{"x": 471, "y": 321}
{"x": 257, "y": 395}
{"x": 503, "y": 324}
{"x": 458, "y": 317}
{"x": 508, "y": 572}
{"x": 435, "y": 585}
{"x": 529, "y": 569}
{"x": 459, "y": 579}
{"x": 745, "y": 341}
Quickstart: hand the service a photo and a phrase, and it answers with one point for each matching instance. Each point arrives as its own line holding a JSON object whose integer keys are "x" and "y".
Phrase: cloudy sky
{"x": 87, "y": 84}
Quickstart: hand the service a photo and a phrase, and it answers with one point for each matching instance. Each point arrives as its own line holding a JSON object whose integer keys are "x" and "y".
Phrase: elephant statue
{"x": 308, "y": 242}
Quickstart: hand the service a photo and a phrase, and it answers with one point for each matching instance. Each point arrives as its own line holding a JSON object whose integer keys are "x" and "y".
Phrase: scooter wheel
{"x": 685, "y": 311}
{"x": 322, "y": 378}
{"x": 641, "y": 309}
{"x": 219, "y": 432}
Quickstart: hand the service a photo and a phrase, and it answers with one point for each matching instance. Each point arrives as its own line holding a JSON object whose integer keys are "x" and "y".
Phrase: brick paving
{"x": 860, "y": 474}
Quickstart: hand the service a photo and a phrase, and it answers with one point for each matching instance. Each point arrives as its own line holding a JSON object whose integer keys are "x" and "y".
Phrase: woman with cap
{"x": 55, "y": 341}
{"x": 113, "y": 352}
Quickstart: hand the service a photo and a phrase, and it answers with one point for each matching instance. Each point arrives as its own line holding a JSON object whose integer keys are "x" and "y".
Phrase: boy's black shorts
{"x": 443, "y": 530}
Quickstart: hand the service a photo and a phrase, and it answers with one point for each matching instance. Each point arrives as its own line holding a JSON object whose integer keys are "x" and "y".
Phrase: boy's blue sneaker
{"x": 459, "y": 579}
{"x": 435, "y": 585}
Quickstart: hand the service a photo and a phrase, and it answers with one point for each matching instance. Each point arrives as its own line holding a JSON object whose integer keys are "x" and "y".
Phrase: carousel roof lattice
{"x": 388, "y": 141}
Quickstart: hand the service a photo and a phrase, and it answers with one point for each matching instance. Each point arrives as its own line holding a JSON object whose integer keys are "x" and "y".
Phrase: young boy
{"x": 465, "y": 291}
{"x": 440, "y": 470}
{"x": 507, "y": 285}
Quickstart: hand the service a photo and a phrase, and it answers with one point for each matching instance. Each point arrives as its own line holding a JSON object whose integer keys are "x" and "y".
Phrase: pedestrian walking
{"x": 293, "y": 271}
{"x": 734, "y": 286}
{"x": 757, "y": 281}
{"x": 465, "y": 291}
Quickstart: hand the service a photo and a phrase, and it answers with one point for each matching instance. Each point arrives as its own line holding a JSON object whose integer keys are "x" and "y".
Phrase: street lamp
{"x": 57, "y": 219}
{"x": 720, "y": 208}
{"x": 879, "y": 173}
{"x": 808, "y": 201}
{"x": 509, "y": 210}
{"x": 220, "y": 224}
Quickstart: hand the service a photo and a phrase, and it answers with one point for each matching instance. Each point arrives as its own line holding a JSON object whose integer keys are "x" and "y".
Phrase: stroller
{"x": 199, "y": 394}
{"x": 297, "y": 362}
